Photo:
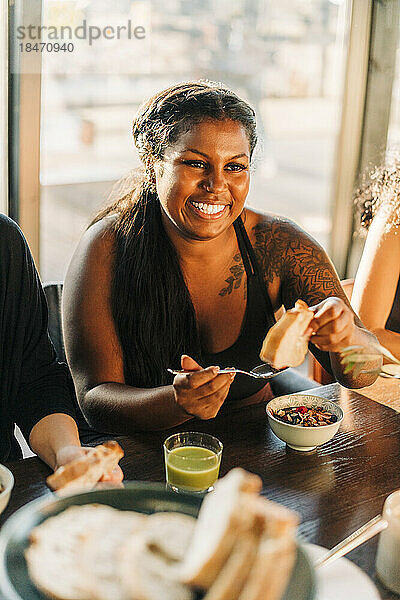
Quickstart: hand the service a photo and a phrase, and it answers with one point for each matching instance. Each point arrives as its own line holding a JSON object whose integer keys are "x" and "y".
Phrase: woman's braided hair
{"x": 153, "y": 314}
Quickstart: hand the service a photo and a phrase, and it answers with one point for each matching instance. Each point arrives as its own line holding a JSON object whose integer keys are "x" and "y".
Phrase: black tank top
{"x": 258, "y": 318}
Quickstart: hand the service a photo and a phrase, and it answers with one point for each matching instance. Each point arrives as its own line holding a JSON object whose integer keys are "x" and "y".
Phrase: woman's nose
{"x": 215, "y": 182}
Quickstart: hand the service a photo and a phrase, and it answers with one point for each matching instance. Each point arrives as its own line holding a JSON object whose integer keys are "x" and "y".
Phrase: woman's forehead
{"x": 213, "y": 136}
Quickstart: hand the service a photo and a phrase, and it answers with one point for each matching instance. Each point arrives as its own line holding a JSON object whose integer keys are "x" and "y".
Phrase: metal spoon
{"x": 355, "y": 539}
{"x": 261, "y": 372}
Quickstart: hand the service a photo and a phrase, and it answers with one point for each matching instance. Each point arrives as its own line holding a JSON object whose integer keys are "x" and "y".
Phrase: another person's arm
{"x": 55, "y": 439}
{"x": 44, "y": 404}
{"x": 298, "y": 265}
{"x": 376, "y": 281}
{"x": 96, "y": 359}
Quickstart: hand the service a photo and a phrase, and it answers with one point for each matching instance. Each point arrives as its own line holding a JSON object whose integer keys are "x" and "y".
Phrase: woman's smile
{"x": 206, "y": 210}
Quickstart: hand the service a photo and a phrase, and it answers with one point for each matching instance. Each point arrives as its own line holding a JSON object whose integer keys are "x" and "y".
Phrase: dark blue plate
{"x": 141, "y": 497}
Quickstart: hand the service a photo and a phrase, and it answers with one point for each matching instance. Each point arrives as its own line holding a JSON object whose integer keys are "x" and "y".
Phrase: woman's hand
{"x": 67, "y": 454}
{"x": 333, "y": 325}
{"x": 202, "y": 392}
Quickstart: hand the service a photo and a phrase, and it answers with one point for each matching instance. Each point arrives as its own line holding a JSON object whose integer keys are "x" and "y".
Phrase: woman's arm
{"x": 376, "y": 281}
{"x": 96, "y": 360}
{"x": 296, "y": 266}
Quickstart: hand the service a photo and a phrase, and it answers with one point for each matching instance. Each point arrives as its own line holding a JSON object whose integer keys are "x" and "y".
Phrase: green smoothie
{"x": 192, "y": 468}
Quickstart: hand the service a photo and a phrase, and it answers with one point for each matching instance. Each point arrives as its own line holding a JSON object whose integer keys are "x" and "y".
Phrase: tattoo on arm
{"x": 302, "y": 266}
{"x": 235, "y": 279}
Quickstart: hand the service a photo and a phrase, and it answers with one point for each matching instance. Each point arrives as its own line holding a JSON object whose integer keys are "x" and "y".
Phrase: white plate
{"x": 341, "y": 579}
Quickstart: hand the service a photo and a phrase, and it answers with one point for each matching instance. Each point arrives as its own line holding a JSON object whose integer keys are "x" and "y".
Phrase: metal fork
{"x": 261, "y": 372}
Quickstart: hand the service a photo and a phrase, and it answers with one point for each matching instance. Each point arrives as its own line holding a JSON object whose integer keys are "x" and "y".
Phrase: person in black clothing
{"x": 35, "y": 389}
{"x": 178, "y": 273}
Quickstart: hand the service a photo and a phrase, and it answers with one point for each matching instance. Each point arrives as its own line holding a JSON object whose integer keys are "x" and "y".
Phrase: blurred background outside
{"x": 286, "y": 58}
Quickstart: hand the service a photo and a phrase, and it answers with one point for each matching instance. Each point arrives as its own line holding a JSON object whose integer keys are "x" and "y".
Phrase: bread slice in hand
{"x": 220, "y": 522}
{"x": 286, "y": 343}
{"x": 84, "y": 472}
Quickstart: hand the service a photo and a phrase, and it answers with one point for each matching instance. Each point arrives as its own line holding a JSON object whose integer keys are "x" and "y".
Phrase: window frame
{"x": 3, "y": 107}
{"x": 24, "y": 126}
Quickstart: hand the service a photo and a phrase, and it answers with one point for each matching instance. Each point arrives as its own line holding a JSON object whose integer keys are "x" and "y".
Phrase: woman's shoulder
{"x": 93, "y": 257}
{"x": 98, "y": 239}
{"x": 271, "y": 228}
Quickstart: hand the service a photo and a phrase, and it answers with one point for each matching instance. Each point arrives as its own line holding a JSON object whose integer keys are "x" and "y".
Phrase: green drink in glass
{"x": 192, "y": 461}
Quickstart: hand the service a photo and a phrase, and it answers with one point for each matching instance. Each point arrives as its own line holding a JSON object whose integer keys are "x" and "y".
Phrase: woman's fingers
{"x": 208, "y": 407}
{"x": 115, "y": 476}
{"x": 189, "y": 364}
{"x": 333, "y": 325}
{"x": 215, "y": 386}
{"x": 194, "y": 380}
{"x": 327, "y": 311}
{"x": 201, "y": 393}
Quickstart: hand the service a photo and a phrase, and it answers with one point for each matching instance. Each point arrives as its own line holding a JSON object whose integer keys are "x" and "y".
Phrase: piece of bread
{"x": 233, "y": 574}
{"x": 54, "y": 555}
{"x": 275, "y": 554}
{"x": 271, "y": 570}
{"x": 99, "y": 555}
{"x": 84, "y": 472}
{"x": 169, "y": 534}
{"x": 96, "y": 552}
{"x": 286, "y": 343}
{"x": 220, "y": 522}
{"x": 267, "y": 521}
{"x": 148, "y": 575}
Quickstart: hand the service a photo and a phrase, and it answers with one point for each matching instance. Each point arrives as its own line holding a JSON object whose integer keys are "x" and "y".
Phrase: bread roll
{"x": 286, "y": 343}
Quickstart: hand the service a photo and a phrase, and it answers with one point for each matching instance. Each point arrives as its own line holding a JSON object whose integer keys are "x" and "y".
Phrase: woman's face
{"x": 203, "y": 179}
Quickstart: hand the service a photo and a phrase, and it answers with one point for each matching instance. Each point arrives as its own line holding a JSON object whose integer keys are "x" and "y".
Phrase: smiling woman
{"x": 177, "y": 273}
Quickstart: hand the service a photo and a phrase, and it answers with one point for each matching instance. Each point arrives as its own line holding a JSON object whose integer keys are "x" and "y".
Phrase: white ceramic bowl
{"x": 296, "y": 436}
{"x": 7, "y": 482}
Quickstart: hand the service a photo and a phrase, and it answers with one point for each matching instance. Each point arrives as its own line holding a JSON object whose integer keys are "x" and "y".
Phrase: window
{"x": 393, "y": 142}
{"x": 285, "y": 58}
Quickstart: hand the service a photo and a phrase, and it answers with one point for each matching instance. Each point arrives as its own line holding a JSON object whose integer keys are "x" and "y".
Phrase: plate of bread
{"x": 143, "y": 542}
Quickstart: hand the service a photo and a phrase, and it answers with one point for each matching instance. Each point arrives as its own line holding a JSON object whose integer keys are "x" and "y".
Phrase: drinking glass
{"x": 192, "y": 461}
{"x": 388, "y": 554}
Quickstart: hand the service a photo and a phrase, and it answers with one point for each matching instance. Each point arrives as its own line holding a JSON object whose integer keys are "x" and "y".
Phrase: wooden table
{"x": 335, "y": 489}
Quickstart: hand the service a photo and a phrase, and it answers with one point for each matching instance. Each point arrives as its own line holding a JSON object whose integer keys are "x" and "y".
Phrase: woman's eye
{"x": 199, "y": 164}
{"x": 236, "y": 167}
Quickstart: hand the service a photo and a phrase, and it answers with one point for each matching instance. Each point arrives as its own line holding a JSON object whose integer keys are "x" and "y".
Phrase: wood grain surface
{"x": 335, "y": 488}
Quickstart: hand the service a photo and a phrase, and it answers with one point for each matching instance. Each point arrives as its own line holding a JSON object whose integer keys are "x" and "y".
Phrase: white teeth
{"x": 209, "y": 209}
